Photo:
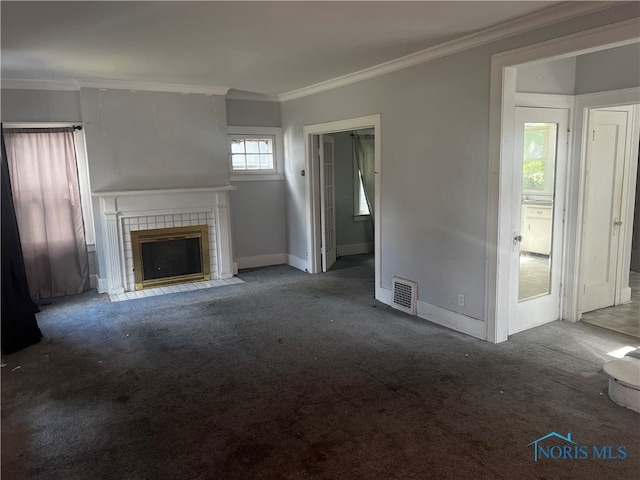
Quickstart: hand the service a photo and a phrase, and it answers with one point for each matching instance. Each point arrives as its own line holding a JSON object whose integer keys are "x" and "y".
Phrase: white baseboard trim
{"x": 453, "y": 320}
{"x": 625, "y": 295}
{"x": 261, "y": 260}
{"x": 441, "y": 316}
{"x": 102, "y": 285}
{"x": 298, "y": 263}
{"x": 355, "y": 248}
{"x": 93, "y": 281}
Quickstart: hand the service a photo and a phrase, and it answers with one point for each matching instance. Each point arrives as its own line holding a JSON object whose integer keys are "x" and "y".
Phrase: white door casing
{"x": 327, "y": 200}
{"x": 604, "y": 222}
{"x": 501, "y": 116}
{"x": 547, "y": 211}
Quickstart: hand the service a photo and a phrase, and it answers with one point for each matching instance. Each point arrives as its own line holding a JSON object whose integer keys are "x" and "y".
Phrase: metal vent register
{"x": 404, "y": 295}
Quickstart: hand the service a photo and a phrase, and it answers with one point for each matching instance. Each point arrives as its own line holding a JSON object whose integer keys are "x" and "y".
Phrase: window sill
{"x": 361, "y": 218}
{"x": 252, "y": 177}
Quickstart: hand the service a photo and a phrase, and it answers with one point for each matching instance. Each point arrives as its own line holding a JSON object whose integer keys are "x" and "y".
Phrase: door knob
{"x": 517, "y": 239}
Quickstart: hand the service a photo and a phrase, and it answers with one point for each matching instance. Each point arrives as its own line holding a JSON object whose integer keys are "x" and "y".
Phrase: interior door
{"x": 602, "y": 233}
{"x": 541, "y": 136}
{"x": 327, "y": 200}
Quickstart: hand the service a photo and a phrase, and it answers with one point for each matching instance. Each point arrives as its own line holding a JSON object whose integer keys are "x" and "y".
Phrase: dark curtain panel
{"x": 19, "y": 325}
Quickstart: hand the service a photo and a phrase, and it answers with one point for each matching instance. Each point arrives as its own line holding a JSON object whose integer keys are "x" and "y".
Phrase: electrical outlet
{"x": 461, "y": 300}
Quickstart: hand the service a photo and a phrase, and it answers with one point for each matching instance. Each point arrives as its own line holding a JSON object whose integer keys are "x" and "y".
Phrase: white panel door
{"x": 327, "y": 201}
{"x": 537, "y": 220}
{"x": 602, "y": 238}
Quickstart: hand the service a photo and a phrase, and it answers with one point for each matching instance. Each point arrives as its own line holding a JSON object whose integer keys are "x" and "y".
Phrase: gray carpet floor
{"x": 294, "y": 376}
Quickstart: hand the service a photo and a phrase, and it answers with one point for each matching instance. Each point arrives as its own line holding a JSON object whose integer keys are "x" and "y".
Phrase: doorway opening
{"x": 609, "y": 268}
{"x": 501, "y": 264}
{"x": 343, "y": 194}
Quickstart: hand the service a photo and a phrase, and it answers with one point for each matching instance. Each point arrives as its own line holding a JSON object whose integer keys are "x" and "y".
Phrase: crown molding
{"x": 151, "y": 86}
{"x": 27, "y": 84}
{"x": 74, "y": 85}
{"x": 256, "y": 97}
{"x": 554, "y": 14}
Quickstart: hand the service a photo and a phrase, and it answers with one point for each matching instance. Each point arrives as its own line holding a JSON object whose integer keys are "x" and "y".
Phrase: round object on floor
{"x": 624, "y": 382}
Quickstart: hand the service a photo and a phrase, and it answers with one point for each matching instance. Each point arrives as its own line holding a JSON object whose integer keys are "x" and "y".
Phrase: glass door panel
{"x": 537, "y": 209}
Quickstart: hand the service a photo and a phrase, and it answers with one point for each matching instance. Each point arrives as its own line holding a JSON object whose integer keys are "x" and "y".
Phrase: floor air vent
{"x": 404, "y": 295}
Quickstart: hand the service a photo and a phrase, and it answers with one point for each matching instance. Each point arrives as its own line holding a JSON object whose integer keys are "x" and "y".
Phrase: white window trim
{"x": 278, "y": 147}
{"x": 83, "y": 175}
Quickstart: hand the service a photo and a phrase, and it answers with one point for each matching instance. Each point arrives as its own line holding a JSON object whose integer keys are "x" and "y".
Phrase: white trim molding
{"x": 115, "y": 206}
{"x": 453, "y": 320}
{"x": 547, "y": 16}
{"x": 298, "y": 263}
{"x": 261, "y": 260}
{"x": 72, "y": 84}
{"x": 312, "y": 185}
{"x": 501, "y": 150}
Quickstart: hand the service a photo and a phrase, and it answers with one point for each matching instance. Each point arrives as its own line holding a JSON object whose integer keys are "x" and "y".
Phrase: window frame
{"x": 277, "y": 173}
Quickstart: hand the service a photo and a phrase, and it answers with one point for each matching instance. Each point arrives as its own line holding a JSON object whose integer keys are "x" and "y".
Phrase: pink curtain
{"x": 44, "y": 176}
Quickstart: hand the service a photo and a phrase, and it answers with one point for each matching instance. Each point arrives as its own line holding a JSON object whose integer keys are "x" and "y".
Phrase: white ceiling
{"x": 265, "y": 47}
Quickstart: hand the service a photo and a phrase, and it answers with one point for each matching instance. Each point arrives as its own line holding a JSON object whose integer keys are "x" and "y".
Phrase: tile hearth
{"x": 183, "y": 287}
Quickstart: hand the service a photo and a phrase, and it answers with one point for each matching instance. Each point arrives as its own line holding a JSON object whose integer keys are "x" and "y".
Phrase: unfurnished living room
{"x": 320, "y": 240}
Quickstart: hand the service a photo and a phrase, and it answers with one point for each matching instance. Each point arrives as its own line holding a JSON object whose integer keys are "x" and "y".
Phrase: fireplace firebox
{"x": 167, "y": 256}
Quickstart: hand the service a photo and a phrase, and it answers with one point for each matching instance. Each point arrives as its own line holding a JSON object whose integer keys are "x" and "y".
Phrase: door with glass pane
{"x": 537, "y": 220}
{"x": 328, "y": 201}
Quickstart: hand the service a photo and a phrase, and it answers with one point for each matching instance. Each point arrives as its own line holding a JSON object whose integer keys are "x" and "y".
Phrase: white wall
{"x": 434, "y": 173}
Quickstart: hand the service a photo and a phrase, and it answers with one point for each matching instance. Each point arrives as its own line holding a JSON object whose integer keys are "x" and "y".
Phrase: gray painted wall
{"x": 594, "y": 71}
{"x": 258, "y": 218}
{"x": 434, "y": 172}
{"x": 251, "y": 113}
{"x": 144, "y": 140}
{"x": 258, "y": 208}
{"x": 40, "y": 106}
{"x": 348, "y": 231}
{"x": 557, "y": 77}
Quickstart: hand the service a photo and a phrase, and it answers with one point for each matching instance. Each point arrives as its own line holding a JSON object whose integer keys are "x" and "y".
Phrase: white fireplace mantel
{"x": 118, "y": 205}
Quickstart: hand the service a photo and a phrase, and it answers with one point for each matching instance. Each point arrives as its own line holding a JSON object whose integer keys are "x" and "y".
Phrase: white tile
{"x": 168, "y": 218}
{"x": 202, "y": 217}
{"x": 150, "y": 292}
{"x": 140, "y": 294}
{"x": 152, "y": 226}
{"x": 125, "y": 221}
{"x": 130, "y": 295}
{"x": 193, "y": 216}
{"x": 174, "y": 289}
{"x": 134, "y": 222}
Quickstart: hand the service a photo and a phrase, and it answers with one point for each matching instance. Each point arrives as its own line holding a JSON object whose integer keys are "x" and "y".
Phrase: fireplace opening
{"x": 167, "y": 256}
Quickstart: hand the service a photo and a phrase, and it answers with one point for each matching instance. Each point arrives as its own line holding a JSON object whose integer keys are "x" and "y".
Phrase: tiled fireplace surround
{"x": 125, "y": 211}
